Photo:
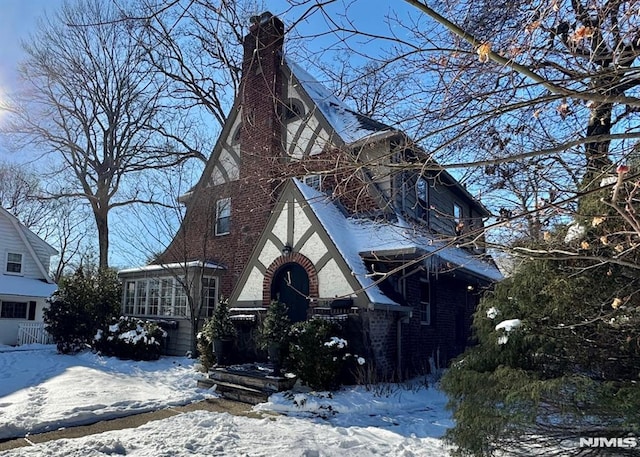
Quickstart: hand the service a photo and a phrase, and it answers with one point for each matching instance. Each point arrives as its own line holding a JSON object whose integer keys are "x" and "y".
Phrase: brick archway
{"x": 294, "y": 257}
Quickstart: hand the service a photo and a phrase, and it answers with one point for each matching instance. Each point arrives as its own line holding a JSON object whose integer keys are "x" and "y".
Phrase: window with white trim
{"x": 129, "y": 297}
{"x": 425, "y": 301}
{"x": 209, "y": 294}
{"x": 314, "y": 181}
{"x": 13, "y": 310}
{"x": 14, "y": 263}
{"x": 223, "y": 216}
{"x": 155, "y": 297}
{"x": 180, "y": 299}
{"x": 141, "y": 297}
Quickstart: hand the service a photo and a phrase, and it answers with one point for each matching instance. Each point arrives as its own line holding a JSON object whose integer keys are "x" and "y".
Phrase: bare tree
{"x": 95, "y": 103}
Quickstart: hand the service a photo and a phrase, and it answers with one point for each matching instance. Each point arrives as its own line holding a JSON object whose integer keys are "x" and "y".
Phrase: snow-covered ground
{"x": 42, "y": 390}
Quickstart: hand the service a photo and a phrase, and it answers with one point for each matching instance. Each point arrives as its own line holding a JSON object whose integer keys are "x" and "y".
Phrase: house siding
{"x": 13, "y": 241}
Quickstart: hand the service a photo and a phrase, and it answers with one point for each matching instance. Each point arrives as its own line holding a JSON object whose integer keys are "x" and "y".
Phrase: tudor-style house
{"x": 25, "y": 283}
{"x": 306, "y": 201}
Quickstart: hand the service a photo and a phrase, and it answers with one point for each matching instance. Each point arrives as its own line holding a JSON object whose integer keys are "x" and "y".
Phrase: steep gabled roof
{"x": 31, "y": 241}
{"x": 356, "y": 129}
{"x": 359, "y": 237}
{"x": 349, "y": 125}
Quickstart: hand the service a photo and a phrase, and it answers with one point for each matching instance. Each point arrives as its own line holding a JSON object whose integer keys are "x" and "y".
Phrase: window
{"x": 153, "y": 298}
{"x": 141, "y": 298}
{"x": 13, "y": 310}
{"x": 129, "y": 297}
{"x": 209, "y": 295}
{"x": 422, "y": 198}
{"x": 314, "y": 181}
{"x": 14, "y": 263}
{"x": 293, "y": 110}
{"x": 235, "y": 139}
{"x": 156, "y": 297}
{"x": 457, "y": 213}
{"x": 425, "y": 301}
{"x": 457, "y": 219}
{"x": 180, "y": 299}
{"x": 223, "y": 216}
{"x": 166, "y": 297}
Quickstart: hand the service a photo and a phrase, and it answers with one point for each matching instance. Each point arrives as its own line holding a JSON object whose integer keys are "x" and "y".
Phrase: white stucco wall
{"x": 332, "y": 283}
{"x": 252, "y": 290}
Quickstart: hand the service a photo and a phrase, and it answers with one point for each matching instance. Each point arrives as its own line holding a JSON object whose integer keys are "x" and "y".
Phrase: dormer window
{"x": 14, "y": 263}
{"x": 314, "y": 181}
{"x": 457, "y": 219}
{"x": 422, "y": 198}
{"x": 293, "y": 110}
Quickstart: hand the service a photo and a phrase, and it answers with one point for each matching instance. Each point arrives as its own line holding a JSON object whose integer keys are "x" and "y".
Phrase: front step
{"x": 245, "y": 384}
{"x": 259, "y": 381}
{"x": 235, "y": 392}
{"x": 241, "y": 393}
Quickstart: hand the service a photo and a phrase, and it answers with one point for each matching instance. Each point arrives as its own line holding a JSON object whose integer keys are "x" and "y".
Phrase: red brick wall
{"x": 254, "y": 193}
{"x": 294, "y": 257}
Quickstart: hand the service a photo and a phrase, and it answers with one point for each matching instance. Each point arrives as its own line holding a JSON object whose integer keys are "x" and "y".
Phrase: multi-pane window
{"x": 314, "y": 181}
{"x": 141, "y": 297}
{"x": 13, "y": 310}
{"x": 129, "y": 297}
{"x": 14, "y": 263}
{"x": 155, "y": 297}
{"x": 223, "y": 216}
{"x": 180, "y": 300}
{"x": 209, "y": 295}
{"x": 425, "y": 301}
{"x": 166, "y": 296}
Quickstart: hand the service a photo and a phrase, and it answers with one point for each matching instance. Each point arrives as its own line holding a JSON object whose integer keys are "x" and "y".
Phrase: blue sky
{"x": 18, "y": 18}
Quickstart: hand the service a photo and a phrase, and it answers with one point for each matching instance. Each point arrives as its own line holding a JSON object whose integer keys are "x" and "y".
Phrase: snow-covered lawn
{"x": 41, "y": 390}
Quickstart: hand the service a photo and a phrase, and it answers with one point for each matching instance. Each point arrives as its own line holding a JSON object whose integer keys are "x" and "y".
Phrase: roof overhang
{"x": 172, "y": 267}
{"x": 20, "y": 286}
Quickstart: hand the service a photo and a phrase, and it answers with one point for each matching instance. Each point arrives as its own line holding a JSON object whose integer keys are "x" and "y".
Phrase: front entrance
{"x": 290, "y": 285}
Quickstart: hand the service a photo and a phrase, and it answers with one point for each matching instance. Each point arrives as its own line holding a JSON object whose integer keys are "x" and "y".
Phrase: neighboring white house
{"x": 25, "y": 283}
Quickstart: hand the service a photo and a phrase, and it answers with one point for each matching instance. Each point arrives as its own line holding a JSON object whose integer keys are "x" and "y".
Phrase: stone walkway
{"x": 219, "y": 405}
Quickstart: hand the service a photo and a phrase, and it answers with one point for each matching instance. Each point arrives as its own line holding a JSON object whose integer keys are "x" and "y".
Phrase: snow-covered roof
{"x": 348, "y": 124}
{"x": 355, "y": 237}
{"x": 174, "y": 266}
{"x": 25, "y": 287}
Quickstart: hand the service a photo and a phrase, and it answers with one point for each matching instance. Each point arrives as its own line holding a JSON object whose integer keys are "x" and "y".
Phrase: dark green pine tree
{"x": 569, "y": 366}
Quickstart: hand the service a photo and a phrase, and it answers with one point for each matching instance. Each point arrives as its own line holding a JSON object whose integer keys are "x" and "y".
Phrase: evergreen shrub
{"x": 318, "y": 353}
{"x": 131, "y": 338}
{"x": 83, "y": 303}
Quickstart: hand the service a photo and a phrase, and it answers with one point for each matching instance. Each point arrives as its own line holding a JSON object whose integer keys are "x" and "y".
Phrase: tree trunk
{"x": 102, "y": 224}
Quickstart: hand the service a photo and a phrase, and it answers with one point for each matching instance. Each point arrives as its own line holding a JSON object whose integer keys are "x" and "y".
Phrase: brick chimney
{"x": 261, "y": 134}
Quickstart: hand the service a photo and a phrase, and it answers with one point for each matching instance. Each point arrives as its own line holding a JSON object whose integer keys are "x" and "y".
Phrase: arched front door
{"x": 290, "y": 285}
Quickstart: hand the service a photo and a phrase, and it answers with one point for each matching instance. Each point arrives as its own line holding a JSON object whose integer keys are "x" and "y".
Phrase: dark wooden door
{"x": 290, "y": 285}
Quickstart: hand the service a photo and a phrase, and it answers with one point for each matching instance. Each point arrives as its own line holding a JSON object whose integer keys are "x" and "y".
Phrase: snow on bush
{"x": 131, "y": 338}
